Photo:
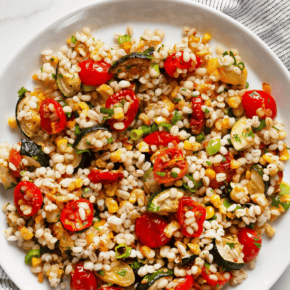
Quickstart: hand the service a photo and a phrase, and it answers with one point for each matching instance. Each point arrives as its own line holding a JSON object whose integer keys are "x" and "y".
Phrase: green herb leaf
{"x": 231, "y": 245}
{"x": 135, "y": 266}
{"x": 166, "y": 126}
{"x": 88, "y": 143}
{"x": 41, "y": 69}
{"x": 53, "y": 76}
{"x": 101, "y": 272}
{"x": 208, "y": 163}
{"x": 124, "y": 38}
{"x": 247, "y": 85}
{"x": 276, "y": 128}
{"x": 21, "y": 92}
{"x": 262, "y": 125}
{"x": 110, "y": 140}
{"x": 107, "y": 111}
{"x": 73, "y": 39}
{"x": 207, "y": 265}
{"x": 237, "y": 138}
{"x": 147, "y": 173}
{"x": 162, "y": 174}
{"x": 227, "y": 204}
{"x": 213, "y": 147}
{"x": 176, "y": 99}
{"x": 82, "y": 151}
{"x": 77, "y": 129}
{"x": 206, "y": 110}
{"x": 176, "y": 117}
{"x": 258, "y": 245}
{"x": 122, "y": 273}
{"x": 199, "y": 138}
{"x": 174, "y": 174}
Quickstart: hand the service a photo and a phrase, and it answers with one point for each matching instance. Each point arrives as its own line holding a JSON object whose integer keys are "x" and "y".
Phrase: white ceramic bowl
{"x": 107, "y": 17}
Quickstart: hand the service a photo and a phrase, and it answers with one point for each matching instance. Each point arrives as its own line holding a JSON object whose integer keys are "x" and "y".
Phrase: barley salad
{"x": 144, "y": 164}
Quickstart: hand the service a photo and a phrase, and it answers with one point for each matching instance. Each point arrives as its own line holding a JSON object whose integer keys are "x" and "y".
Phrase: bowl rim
{"x": 191, "y": 3}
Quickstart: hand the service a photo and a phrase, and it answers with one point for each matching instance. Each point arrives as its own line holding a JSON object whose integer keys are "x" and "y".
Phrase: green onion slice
{"x": 136, "y": 134}
{"x": 126, "y": 254}
{"x": 107, "y": 111}
{"x": 124, "y": 38}
{"x": 30, "y": 255}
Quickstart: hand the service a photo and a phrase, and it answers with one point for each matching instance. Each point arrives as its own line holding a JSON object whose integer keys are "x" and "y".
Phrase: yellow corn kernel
{"x": 282, "y": 135}
{"x": 72, "y": 186}
{"x": 234, "y": 102}
{"x": 35, "y": 77}
{"x": 111, "y": 190}
{"x": 194, "y": 39}
{"x": 239, "y": 111}
{"x": 167, "y": 104}
{"x": 112, "y": 205}
{"x": 216, "y": 200}
{"x": 116, "y": 156}
{"x": 12, "y": 122}
{"x": 209, "y": 212}
{"x": 248, "y": 174}
{"x": 188, "y": 145}
{"x": 259, "y": 199}
{"x": 118, "y": 114}
{"x": 71, "y": 124}
{"x": 262, "y": 161}
{"x": 36, "y": 262}
{"x": 128, "y": 146}
{"x": 206, "y": 38}
{"x": 143, "y": 117}
{"x": 284, "y": 154}
{"x": 225, "y": 123}
{"x": 36, "y": 119}
{"x": 25, "y": 233}
{"x": 269, "y": 230}
{"x": 90, "y": 238}
{"x": 212, "y": 65}
{"x": 83, "y": 106}
{"x": 175, "y": 91}
{"x": 79, "y": 183}
{"x": 202, "y": 53}
{"x": 218, "y": 124}
{"x": 143, "y": 147}
{"x": 210, "y": 173}
{"x": 160, "y": 119}
{"x": 126, "y": 46}
{"x": 285, "y": 198}
{"x": 267, "y": 158}
{"x": 59, "y": 273}
{"x": 195, "y": 248}
{"x": 207, "y": 103}
{"x": 101, "y": 163}
{"x": 61, "y": 144}
{"x": 147, "y": 252}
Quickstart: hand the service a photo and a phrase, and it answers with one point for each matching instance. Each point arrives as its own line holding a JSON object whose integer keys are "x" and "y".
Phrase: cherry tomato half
{"x": 254, "y": 100}
{"x": 165, "y": 161}
{"x": 197, "y": 117}
{"x": 94, "y": 73}
{"x": 222, "y": 277}
{"x": 173, "y": 62}
{"x": 223, "y": 167}
{"x": 15, "y": 158}
{"x": 27, "y": 198}
{"x": 82, "y": 279}
{"x": 150, "y": 230}
{"x": 186, "y": 284}
{"x": 185, "y": 205}
{"x": 105, "y": 177}
{"x": 71, "y": 216}
{"x": 110, "y": 288}
{"x": 52, "y": 116}
{"x": 119, "y": 100}
{"x": 252, "y": 243}
{"x": 161, "y": 138}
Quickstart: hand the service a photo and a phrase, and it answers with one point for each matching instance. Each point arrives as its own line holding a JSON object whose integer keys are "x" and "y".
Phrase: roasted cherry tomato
{"x": 105, "y": 177}
{"x": 186, "y": 284}
{"x": 77, "y": 215}
{"x": 197, "y": 117}
{"x": 118, "y": 102}
{"x": 110, "y": 288}
{"x": 222, "y": 277}
{"x": 185, "y": 205}
{"x": 82, "y": 279}
{"x": 150, "y": 230}
{"x": 27, "y": 198}
{"x": 252, "y": 243}
{"x": 173, "y": 62}
{"x": 15, "y": 158}
{"x": 52, "y": 116}
{"x": 161, "y": 138}
{"x": 169, "y": 158}
{"x": 254, "y": 100}
{"x": 94, "y": 73}
{"x": 223, "y": 167}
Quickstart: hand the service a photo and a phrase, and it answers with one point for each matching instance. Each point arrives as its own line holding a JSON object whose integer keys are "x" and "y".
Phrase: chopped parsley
{"x": 176, "y": 117}
{"x": 88, "y": 143}
{"x": 162, "y": 174}
{"x": 122, "y": 273}
{"x": 21, "y": 92}
{"x": 60, "y": 75}
{"x": 174, "y": 174}
{"x": 237, "y": 138}
{"x": 52, "y": 59}
{"x": 107, "y": 111}
{"x": 53, "y": 76}
{"x": 276, "y": 128}
{"x": 110, "y": 140}
{"x": 176, "y": 99}
{"x": 41, "y": 69}
{"x": 227, "y": 204}
{"x": 207, "y": 265}
{"x": 208, "y": 163}
{"x": 231, "y": 245}
{"x": 101, "y": 272}
{"x": 206, "y": 110}
{"x": 73, "y": 39}
{"x": 77, "y": 129}
{"x": 248, "y": 134}
{"x": 258, "y": 245}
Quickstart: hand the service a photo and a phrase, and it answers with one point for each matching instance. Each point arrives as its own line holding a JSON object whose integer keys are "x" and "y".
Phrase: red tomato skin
{"x": 196, "y": 207}
{"x": 172, "y": 62}
{"x": 132, "y": 111}
{"x": 248, "y": 237}
{"x": 221, "y": 280}
{"x": 51, "y": 127}
{"x": 105, "y": 177}
{"x": 33, "y": 191}
{"x": 224, "y": 167}
{"x": 72, "y": 210}
{"x": 83, "y": 279}
{"x": 110, "y": 288}
{"x": 89, "y": 74}
{"x": 186, "y": 284}
{"x": 150, "y": 230}
{"x": 197, "y": 117}
{"x": 15, "y": 158}
{"x": 161, "y": 138}
{"x": 176, "y": 159}
{"x": 253, "y": 100}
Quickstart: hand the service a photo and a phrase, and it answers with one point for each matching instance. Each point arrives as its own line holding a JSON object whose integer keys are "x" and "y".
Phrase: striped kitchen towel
{"x": 268, "y": 19}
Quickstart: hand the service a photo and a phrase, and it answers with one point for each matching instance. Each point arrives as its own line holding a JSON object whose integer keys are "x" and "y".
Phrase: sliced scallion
{"x": 126, "y": 254}
{"x": 107, "y": 111}
{"x": 124, "y": 38}
{"x": 136, "y": 134}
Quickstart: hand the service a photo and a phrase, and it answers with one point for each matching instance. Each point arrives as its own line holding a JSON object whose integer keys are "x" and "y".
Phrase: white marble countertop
{"x": 20, "y": 20}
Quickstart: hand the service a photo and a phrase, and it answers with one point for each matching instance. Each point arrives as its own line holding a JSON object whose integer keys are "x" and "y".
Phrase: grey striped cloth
{"x": 269, "y": 19}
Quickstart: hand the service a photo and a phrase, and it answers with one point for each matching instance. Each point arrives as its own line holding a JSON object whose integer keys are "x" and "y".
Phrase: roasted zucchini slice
{"x": 256, "y": 183}
{"x": 225, "y": 258}
{"x": 150, "y": 281}
{"x": 29, "y": 128}
{"x": 134, "y": 63}
{"x": 150, "y": 184}
{"x": 81, "y": 161}
{"x": 7, "y": 178}
{"x": 187, "y": 260}
{"x": 84, "y": 139}
{"x": 69, "y": 84}
{"x": 34, "y": 154}
{"x": 165, "y": 201}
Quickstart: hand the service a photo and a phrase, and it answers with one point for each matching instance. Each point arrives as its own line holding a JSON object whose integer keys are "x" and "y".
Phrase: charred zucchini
{"x": 84, "y": 138}
{"x": 225, "y": 258}
{"x": 69, "y": 84}
{"x": 7, "y": 178}
{"x": 134, "y": 63}
{"x": 165, "y": 202}
{"x": 149, "y": 281}
{"x": 81, "y": 161}
{"x": 29, "y": 128}
{"x": 187, "y": 260}
{"x": 34, "y": 154}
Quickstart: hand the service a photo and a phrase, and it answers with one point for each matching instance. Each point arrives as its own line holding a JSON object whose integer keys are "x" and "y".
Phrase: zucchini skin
{"x": 152, "y": 278}
{"x": 31, "y": 149}
{"x": 222, "y": 262}
{"x": 85, "y": 162}
{"x": 87, "y": 131}
{"x": 187, "y": 260}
